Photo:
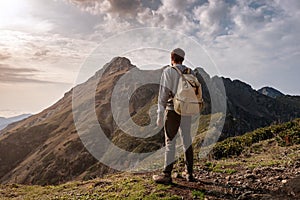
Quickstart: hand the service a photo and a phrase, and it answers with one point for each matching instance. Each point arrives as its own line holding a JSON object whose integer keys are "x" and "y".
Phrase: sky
{"x": 43, "y": 43}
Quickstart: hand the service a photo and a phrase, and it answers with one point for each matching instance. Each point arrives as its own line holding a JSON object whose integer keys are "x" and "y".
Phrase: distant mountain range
{"x": 46, "y": 149}
{"x": 248, "y": 109}
{"x": 6, "y": 121}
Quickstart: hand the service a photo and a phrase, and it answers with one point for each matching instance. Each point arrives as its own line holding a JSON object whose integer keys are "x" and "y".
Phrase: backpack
{"x": 188, "y": 98}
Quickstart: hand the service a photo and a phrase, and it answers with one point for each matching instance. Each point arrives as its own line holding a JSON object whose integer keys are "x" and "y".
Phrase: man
{"x": 172, "y": 120}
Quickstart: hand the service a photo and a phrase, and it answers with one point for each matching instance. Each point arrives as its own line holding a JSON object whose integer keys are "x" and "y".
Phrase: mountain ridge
{"x": 271, "y": 92}
{"x": 46, "y": 149}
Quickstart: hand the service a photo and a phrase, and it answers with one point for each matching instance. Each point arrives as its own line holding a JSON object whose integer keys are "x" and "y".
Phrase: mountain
{"x": 271, "y": 92}
{"x": 6, "y": 121}
{"x": 255, "y": 168}
{"x": 46, "y": 149}
{"x": 247, "y": 109}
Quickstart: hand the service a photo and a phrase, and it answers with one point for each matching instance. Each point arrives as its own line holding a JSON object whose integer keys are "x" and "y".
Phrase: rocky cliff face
{"x": 247, "y": 109}
{"x": 46, "y": 149}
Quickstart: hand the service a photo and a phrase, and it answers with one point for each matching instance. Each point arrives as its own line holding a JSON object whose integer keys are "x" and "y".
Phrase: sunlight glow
{"x": 10, "y": 8}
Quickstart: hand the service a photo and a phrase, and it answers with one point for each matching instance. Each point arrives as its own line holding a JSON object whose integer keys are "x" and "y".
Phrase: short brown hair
{"x": 177, "y": 55}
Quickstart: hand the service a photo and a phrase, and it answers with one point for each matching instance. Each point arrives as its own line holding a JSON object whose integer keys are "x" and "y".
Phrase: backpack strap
{"x": 178, "y": 70}
{"x": 180, "y": 73}
{"x": 188, "y": 71}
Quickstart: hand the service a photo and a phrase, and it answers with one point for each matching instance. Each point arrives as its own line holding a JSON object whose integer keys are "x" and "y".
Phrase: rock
{"x": 278, "y": 169}
{"x": 227, "y": 178}
{"x": 256, "y": 171}
{"x": 297, "y": 164}
{"x": 284, "y": 181}
{"x": 278, "y": 178}
{"x": 250, "y": 176}
{"x": 244, "y": 196}
{"x": 270, "y": 179}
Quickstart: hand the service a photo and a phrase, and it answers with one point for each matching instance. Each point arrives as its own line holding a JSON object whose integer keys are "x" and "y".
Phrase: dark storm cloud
{"x": 125, "y": 7}
{"x": 122, "y": 8}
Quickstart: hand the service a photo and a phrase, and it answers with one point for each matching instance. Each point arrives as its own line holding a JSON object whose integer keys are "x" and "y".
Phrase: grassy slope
{"x": 112, "y": 187}
{"x": 281, "y": 150}
{"x": 286, "y": 134}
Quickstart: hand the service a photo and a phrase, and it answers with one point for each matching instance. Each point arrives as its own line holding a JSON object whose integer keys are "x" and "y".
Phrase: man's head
{"x": 177, "y": 56}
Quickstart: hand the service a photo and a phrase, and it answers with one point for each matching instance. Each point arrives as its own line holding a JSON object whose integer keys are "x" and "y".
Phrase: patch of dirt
{"x": 249, "y": 184}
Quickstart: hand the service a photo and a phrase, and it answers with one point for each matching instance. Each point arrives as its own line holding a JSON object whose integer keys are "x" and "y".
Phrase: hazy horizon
{"x": 43, "y": 44}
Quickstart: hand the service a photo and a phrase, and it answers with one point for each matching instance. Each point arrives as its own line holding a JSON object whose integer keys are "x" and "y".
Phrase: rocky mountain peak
{"x": 117, "y": 64}
{"x": 270, "y": 92}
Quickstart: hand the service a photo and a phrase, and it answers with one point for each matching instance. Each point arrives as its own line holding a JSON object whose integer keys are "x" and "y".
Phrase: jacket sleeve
{"x": 164, "y": 91}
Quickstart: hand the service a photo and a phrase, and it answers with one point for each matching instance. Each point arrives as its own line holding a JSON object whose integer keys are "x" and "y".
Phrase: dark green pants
{"x": 173, "y": 123}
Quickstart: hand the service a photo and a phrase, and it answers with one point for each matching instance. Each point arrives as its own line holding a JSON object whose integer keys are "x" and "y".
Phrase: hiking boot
{"x": 190, "y": 178}
{"x": 162, "y": 178}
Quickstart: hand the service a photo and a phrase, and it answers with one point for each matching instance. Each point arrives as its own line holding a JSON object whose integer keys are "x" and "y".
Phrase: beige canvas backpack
{"x": 188, "y": 98}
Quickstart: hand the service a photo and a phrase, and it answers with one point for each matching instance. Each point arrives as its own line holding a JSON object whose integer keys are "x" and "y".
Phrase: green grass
{"x": 219, "y": 168}
{"x": 198, "y": 194}
{"x": 119, "y": 186}
{"x": 267, "y": 163}
{"x": 286, "y": 134}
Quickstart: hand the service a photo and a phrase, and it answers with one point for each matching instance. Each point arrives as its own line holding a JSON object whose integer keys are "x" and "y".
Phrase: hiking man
{"x": 173, "y": 121}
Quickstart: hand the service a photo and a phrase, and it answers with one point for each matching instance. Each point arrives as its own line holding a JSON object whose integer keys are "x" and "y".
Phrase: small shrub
{"x": 286, "y": 134}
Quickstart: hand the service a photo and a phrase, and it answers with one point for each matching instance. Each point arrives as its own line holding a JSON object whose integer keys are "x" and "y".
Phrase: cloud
{"x": 21, "y": 45}
{"x": 207, "y": 19}
{"x": 245, "y": 38}
{"x": 213, "y": 18}
{"x": 11, "y": 74}
{"x": 151, "y": 4}
{"x": 111, "y": 24}
{"x": 261, "y": 50}
{"x": 122, "y": 8}
{"x": 290, "y": 6}
{"x": 4, "y": 55}
{"x": 41, "y": 52}
{"x": 125, "y": 7}
{"x": 113, "y": 15}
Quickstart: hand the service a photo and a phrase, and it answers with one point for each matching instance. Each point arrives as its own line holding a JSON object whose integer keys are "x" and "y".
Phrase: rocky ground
{"x": 270, "y": 182}
{"x": 263, "y": 172}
